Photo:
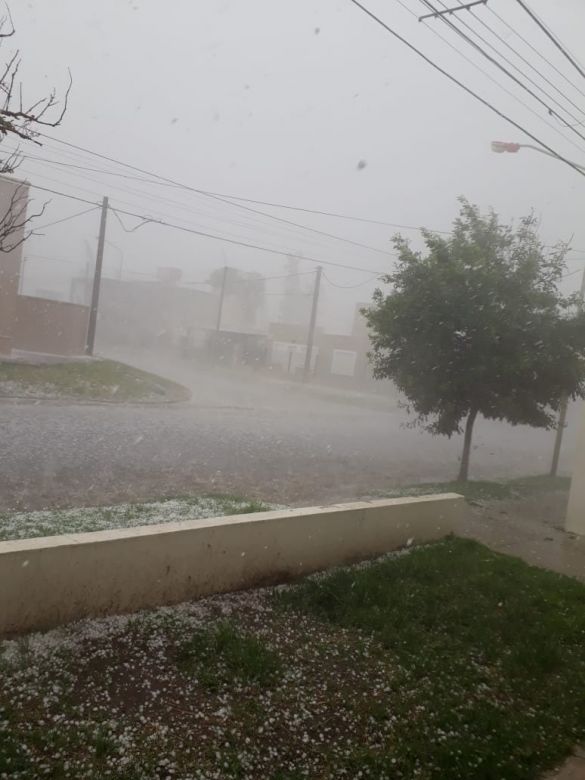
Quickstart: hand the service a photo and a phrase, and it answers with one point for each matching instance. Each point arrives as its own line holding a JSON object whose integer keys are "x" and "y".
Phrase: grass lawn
{"x": 445, "y": 662}
{"x": 52, "y": 522}
{"x": 482, "y": 490}
{"x": 99, "y": 380}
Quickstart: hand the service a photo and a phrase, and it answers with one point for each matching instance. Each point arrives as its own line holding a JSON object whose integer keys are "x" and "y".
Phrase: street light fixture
{"x": 501, "y": 147}
{"x": 509, "y": 146}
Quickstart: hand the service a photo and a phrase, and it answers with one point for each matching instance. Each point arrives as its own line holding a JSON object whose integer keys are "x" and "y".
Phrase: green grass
{"x": 490, "y": 658}
{"x": 482, "y": 490}
{"x": 223, "y": 654}
{"x": 100, "y": 380}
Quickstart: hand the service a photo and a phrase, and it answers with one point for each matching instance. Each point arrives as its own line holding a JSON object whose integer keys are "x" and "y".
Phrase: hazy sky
{"x": 280, "y": 101}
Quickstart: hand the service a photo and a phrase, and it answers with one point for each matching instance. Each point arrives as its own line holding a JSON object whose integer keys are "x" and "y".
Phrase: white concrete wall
{"x": 49, "y": 581}
{"x": 575, "y": 522}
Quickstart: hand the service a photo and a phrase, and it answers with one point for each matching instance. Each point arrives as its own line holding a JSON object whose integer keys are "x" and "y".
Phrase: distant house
{"x": 150, "y": 313}
{"x": 337, "y": 358}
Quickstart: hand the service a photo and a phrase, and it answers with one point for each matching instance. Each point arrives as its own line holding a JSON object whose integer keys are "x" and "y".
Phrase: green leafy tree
{"x": 476, "y": 325}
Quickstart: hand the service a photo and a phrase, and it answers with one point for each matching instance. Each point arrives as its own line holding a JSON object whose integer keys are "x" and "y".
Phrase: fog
{"x": 278, "y": 102}
{"x": 292, "y": 389}
{"x": 202, "y": 123}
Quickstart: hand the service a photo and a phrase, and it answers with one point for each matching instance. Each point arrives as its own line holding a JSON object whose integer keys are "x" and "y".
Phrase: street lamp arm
{"x": 513, "y": 148}
{"x": 549, "y": 154}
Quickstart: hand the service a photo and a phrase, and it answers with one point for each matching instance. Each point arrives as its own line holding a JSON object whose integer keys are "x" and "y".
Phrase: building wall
{"x": 13, "y": 194}
{"x": 148, "y": 313}
{"x": 53, "y": 327}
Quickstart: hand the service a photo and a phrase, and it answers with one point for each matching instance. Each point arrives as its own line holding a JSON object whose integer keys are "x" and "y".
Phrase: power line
{"x": 526, "y": 61}
{"x": 507, "y": 59}
{"x": 65, "y": 219}
{"x": 515, "y": 79}
{"x": 535, "y": 50}
{"x": 205, "y": 234}
{"x": 62, "y": 194}
{"x": 227, "y": 199}
{"x": 555, "y": 128}
{"x": 299, "y": 225}
{"x": 223, "y": 198}
{"x": 467, "y": 89}
{"x": 151, "y": 216}
{"x": 172, "y": 183}
{"x": 247, "y": 244}
{"x": 349, "y": 286}
{"x": 552, "y": 37}
{"x": 572, "y": 273}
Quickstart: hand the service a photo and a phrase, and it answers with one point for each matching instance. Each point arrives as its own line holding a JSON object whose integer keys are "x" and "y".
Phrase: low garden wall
{"x": 49, "y": 581}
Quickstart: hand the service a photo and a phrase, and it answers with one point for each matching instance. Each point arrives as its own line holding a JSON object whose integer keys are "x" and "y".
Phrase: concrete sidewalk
{"x": 531, "y": 529}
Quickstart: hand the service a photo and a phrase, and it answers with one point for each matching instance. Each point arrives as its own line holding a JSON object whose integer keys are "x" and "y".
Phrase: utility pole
{"x": 554, "y": 467}
{"x": 312, "y": 323}
{"x": 97, "y": 278}
{"x": 221, "y": 297}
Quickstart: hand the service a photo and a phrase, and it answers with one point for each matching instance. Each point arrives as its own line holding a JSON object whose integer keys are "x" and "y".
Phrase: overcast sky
{"x": 280, "y": 101}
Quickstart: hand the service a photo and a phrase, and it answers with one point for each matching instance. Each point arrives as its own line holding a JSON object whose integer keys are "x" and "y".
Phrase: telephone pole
{"x": 97, "y": 278}
{"x": 221, "y": 297}
{"x": 312, "y": 323}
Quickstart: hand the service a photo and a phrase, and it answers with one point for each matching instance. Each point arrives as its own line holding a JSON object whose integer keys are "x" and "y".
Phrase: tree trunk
{"x": 464, "y": 470}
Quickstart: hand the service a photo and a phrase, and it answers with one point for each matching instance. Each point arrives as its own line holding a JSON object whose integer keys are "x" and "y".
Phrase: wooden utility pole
{"x": 554, "y": 466}
{"x": 312, "y": 323}
{"x": 221, "y": 297}
{"x": 97, "y": 279}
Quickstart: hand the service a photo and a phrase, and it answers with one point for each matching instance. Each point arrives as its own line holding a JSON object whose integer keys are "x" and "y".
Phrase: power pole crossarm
{"x": 312, "y": 324}
{"x": 446, "y": 11}
{"x": 97, "y": 279}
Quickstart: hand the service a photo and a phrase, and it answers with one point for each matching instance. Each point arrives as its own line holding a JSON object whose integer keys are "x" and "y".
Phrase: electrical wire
{"x": 509, "y": 61}
{"x": 205, "y": 234}
{"x": 349, "y": 286}
{"x": 463, "y": 86}
{"x": 515, "y": 79}
{"x": 526, "y": 61}
{"x": 555, "y": 128}
{"x": 224, "y": 199}
{"x": 535, "y": 50}
{"x": 247, "y": 244}
{"x": 572, "y": 273}
{"x": 179, "y": 185}
{"x": 552, "y": 37}
{"x": 65, "y": 219}
{"x": 150, "y": 216}
{"x": 221, "y": 198}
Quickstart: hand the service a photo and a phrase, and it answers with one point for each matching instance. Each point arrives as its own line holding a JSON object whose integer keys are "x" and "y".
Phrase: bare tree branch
{"x": 14, "y": 223}
{"x": 19, "y": 120}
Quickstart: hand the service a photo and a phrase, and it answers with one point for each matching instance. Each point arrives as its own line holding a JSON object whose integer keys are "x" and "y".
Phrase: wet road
{"x": 240, "y": 434}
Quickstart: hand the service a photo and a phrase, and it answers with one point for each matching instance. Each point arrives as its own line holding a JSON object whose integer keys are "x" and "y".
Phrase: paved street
{"x": 240, "y": 434}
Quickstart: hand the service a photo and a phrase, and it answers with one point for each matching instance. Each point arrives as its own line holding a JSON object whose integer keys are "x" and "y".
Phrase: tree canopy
{"x": 476, "y": 324}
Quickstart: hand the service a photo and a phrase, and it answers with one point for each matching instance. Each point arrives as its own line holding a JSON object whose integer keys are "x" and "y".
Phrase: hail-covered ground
{"x": 52, "y": 522}
{"x": 232, "y": 686}
{"x": 443, "y": 661}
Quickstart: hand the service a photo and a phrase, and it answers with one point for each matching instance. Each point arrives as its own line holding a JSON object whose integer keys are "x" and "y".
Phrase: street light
{"x": 501, "y": 147}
